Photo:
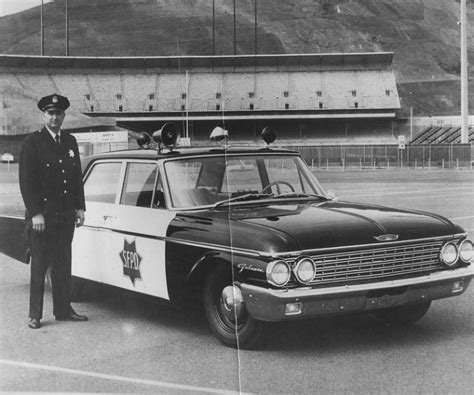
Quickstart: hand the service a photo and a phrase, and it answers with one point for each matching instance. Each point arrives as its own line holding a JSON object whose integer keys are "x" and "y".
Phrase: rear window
{"x": 102, "y": 182}
{"x": 139, "y": 184}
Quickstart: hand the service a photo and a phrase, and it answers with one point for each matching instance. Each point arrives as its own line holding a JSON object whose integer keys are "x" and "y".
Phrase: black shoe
{"x": 72, "y": 316}
{"x": 34, "y": 323}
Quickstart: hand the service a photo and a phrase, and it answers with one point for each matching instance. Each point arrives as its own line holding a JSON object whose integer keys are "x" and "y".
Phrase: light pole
{"x": 464, "y": 71}
{"x": 256, "y": 48}
{"x": 42, "y": 29}
{"x": 213, "y": 27}
{"x": 67, "y": 29}
{"x": 235, "y": 32}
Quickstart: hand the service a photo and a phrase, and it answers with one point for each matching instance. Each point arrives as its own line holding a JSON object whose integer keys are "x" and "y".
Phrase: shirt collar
{"x": 53, "y": 135}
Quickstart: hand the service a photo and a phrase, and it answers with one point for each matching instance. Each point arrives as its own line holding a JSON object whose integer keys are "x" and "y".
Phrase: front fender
{"x": 245, "y": 269}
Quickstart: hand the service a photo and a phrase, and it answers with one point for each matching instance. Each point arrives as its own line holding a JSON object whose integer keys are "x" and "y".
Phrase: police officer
{"x": 53, "y": 193}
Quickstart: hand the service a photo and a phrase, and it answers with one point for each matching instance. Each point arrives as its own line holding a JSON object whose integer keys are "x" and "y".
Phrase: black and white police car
{"x": 254, "y": 231}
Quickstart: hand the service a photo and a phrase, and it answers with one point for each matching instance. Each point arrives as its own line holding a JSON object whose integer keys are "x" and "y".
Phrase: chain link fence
{"x": 452, "y": 156}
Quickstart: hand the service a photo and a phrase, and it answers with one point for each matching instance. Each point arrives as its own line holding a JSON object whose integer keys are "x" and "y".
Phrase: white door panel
{"x": 134, "y": 249}
{"x": 86, "y": 245}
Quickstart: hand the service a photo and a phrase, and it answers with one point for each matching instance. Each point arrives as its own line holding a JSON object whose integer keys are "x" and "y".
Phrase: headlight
{"x": 449, "y": 254}
{"x": 278, "y": 273}
{"x": 305, "y": 270}
{"x": 466, "y": 251}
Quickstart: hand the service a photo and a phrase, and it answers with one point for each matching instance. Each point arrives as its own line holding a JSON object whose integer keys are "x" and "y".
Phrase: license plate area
{"x": 384, "y": 298}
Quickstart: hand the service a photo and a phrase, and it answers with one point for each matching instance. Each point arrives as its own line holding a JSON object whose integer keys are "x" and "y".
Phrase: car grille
{"x": 376, "y": 263}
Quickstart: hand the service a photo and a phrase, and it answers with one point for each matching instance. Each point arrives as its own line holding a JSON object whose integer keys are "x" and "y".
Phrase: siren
{"x": 268, "y": 135}
{"x": 167, "y": 135}
{"x": 219, "y": 134}
{"x": 143, "y": 140}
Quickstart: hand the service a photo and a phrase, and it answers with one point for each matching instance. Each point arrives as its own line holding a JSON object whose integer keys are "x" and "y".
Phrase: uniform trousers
{"x": 52, "y": 247}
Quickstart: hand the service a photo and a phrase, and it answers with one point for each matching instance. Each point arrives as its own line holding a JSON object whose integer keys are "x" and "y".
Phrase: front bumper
{"x": 271, "y": 304}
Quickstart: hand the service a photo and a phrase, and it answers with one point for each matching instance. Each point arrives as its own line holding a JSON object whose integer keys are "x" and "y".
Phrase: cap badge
{"x": 71, "y": 153}
{"x": 55, "y": 99}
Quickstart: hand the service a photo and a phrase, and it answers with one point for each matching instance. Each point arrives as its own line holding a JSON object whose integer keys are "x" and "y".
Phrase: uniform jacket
{"x": 51, "y": 175}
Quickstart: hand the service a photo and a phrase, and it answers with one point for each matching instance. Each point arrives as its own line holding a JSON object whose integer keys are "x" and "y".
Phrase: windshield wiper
{"x": 300, "y": 195}
{"x": 248, "y": 196}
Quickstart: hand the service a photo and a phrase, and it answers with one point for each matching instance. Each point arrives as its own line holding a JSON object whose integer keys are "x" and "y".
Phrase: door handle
{"x": 106, "y": 217}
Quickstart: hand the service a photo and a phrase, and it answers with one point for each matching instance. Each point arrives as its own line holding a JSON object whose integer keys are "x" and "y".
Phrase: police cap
{"x": 53, "y": 101}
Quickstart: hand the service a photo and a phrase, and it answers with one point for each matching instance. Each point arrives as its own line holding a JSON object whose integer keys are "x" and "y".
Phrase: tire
{"x": 403, "y": 314}
{"x": 243, "y": 332}
{"x": 77, "y": 288}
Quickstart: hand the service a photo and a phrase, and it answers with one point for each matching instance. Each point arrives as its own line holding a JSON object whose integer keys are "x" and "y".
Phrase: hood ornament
{"x": 387, "y": 237}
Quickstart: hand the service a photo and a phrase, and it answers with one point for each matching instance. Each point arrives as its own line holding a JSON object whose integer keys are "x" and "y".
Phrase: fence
{"x": 453, "y": 156}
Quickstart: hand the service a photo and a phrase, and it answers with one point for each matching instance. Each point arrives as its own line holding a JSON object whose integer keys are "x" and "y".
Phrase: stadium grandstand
{"x": 310, "y": 98}
{"x": 441, "y": 135}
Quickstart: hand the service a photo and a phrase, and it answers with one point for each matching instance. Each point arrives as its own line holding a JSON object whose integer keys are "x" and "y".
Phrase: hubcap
{"x": 232, "y": 303}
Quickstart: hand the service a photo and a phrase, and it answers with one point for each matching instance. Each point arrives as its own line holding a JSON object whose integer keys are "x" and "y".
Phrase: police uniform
{"x": 51, "y": 184}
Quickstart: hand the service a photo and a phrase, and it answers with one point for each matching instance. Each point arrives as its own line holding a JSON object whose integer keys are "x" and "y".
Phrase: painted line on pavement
{"x": 116, "y": 378}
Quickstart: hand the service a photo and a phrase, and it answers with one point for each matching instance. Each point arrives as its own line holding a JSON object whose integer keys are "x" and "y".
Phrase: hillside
{"x": 423, "y": 34}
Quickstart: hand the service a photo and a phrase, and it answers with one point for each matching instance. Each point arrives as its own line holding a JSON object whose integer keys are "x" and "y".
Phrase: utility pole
{"x": 213, "y": 27}
{"x": 256, "y": 48}
{"x": 235, "y": 32}
{"x": 42, "y": 29}
{"x": 464, "y": 71}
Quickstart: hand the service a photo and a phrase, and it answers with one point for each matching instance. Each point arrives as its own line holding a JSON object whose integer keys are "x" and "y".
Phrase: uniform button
{"x": 65, "y": 191}
{"x": 62, "y": 171}
{"x": 60, "y": 161}
{"x": 45, "y": 199}
{"x": 64, "y": 181}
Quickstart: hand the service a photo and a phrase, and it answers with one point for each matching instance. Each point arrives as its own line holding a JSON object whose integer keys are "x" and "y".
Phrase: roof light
{"x": 219, "y": 134}
{"x": 268, "y": 135}
{"x": 143, "y": 140}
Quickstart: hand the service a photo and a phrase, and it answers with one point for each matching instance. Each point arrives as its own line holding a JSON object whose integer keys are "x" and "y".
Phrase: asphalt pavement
{"x": 133, "y": 345}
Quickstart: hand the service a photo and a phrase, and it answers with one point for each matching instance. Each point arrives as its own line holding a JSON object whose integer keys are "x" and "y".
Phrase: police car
{"x": 254, "y": 232}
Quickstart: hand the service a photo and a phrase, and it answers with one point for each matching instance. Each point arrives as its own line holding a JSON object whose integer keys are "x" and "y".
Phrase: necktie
{"x": 57, "y": 139}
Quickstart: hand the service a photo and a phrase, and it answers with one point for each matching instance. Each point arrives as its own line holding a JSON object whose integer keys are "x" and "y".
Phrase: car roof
{"x": 182, "y": 152}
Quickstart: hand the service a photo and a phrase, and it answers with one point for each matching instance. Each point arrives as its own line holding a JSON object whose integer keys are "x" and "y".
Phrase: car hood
{"x": 333, "y": 224}
{"x": 289, "y": 227}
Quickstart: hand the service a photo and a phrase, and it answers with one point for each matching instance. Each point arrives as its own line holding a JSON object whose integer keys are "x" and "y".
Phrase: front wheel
{"x": 403, "y": 314}
{"x": 226, "y": 312}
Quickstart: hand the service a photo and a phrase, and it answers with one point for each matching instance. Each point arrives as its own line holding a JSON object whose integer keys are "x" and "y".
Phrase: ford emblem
{"x": 386, "y": 237}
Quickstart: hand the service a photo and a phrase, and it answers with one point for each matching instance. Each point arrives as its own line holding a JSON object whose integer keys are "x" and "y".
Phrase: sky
{"x": 13, "y": 6}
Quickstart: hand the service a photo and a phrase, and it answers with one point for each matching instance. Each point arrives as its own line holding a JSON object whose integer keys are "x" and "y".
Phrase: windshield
{"x": 208, "y": 181}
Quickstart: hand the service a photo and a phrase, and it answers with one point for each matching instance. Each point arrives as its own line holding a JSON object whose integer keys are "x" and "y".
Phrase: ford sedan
{"x": 253, "y": 232}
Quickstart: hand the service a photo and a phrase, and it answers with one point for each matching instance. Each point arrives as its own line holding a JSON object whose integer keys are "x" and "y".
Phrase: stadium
{"x": 316, "y": 102}
{"x": 345, "y": 93}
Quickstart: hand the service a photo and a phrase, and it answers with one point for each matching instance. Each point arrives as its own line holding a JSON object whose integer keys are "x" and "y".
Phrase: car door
{"x": 136, "y": 228}
{"x": 101, "y": 188}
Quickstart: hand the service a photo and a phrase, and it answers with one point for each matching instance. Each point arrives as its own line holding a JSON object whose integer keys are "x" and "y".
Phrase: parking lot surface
{"x": 133, "y": 345}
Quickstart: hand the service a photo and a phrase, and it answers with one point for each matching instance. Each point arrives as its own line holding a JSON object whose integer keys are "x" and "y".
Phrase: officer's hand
{"x": 80, "y": 217}
{"x": 38, "y": 223}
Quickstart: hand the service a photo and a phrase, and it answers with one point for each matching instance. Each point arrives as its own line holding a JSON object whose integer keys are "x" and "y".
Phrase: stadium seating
{"x": 441, "y": 135}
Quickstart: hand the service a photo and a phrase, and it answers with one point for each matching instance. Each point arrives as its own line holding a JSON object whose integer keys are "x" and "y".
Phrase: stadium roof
{"x": 329, "y": 61}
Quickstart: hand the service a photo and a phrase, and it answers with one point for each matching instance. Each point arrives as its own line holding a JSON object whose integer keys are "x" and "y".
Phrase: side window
{"x": 139, "y": 184}
{"x": 101, "y": 184}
